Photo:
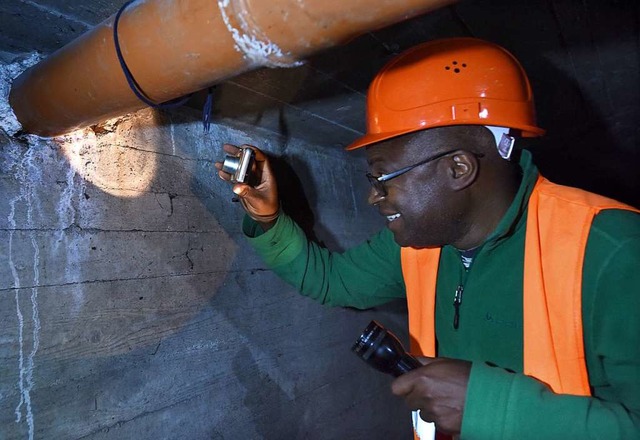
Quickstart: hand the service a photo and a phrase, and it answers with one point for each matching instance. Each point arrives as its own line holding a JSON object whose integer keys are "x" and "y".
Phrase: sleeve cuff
{"x": 487, "y": 403}
{"x": 279, "y": 245}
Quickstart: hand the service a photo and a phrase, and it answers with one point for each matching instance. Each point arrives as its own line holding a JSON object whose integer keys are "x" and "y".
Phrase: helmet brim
{"x": 374, "y": 138}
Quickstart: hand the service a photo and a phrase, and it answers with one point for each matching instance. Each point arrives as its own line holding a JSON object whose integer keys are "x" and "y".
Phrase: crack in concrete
{"x": 57, "y": 13}
{"x": 120, "y": 423}
{"x": 160, "y": 153}
{"x": 80, "y": 230}
{"x": 151, "y": 277}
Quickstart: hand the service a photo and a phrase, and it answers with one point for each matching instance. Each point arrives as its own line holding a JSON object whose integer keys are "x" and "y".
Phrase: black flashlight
{"x": 383, "y": 351}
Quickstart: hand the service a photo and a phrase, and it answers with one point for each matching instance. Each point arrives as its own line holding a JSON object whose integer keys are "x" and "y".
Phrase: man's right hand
{"x": 260, "y": 201}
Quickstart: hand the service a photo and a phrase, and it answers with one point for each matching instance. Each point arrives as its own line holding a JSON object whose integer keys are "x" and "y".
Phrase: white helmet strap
{"x": 504, "y": 142}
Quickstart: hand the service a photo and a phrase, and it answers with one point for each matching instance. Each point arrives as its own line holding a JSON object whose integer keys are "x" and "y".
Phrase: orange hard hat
{"x": 455, "y": 81}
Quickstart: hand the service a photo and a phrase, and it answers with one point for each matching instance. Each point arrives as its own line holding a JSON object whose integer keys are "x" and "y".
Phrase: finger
{"x": 231, "y": 149}
{"x": 224, "y": 176}
{"x": 419, "y": 398}
{"x": 424, "y": 360}
{"x": 427, "y": 416}
{"x": 402, "y": 385}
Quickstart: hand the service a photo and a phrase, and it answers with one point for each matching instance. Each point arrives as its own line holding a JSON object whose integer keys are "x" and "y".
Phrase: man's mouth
{"x": 393, "y": 217}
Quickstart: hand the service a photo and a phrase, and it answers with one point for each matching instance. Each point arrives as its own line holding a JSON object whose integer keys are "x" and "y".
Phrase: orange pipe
{"x": 176, "y": 47}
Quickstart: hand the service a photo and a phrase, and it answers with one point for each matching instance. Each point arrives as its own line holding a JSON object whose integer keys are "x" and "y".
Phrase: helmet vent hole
{"x": 456, "y": 66}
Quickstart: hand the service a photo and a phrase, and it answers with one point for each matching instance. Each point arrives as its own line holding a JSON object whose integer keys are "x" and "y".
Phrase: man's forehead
{"x": 408, "y": 145}
{"x": 383, "y": 152}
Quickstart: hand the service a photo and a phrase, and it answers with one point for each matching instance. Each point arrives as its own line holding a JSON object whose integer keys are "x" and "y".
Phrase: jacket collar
{"x": 515, "y": 217}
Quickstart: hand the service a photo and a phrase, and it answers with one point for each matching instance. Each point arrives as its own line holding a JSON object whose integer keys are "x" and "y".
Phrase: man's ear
{"x": 463, "y": 170}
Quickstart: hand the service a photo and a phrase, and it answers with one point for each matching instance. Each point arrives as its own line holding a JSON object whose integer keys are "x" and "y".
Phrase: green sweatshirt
{"x": 501, "y": 403}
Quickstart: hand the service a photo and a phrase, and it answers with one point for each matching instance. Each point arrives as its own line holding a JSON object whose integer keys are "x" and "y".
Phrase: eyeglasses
{"x": 378, "y": 182}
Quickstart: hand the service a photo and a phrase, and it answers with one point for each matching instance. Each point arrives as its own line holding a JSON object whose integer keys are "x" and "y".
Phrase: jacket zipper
{"x": 457, "y": 296}
{"x": 457, "y": 301}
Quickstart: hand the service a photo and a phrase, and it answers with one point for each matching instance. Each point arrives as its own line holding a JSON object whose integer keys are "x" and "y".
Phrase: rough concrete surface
{"x": 131, "y": 306}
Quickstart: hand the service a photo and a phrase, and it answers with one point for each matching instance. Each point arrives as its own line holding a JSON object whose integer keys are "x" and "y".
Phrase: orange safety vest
{"x": 558, "y": 223}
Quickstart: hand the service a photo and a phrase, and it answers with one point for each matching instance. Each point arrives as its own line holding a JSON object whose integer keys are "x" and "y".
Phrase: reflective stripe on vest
{"x": 558, "y": 223}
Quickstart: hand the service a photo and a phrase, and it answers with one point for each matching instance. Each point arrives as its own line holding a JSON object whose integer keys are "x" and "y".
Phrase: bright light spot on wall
{"x": 112, "y": 158}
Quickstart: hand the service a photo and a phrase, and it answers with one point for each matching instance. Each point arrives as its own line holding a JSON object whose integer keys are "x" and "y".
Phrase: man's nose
{"x": 374, "y": 197}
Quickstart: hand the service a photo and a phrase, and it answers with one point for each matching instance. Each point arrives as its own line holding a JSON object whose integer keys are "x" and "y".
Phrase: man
{"x": 522, "y": 294}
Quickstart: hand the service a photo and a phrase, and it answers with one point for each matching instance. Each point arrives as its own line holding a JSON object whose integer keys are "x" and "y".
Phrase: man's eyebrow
{"x": 374, "y": 161}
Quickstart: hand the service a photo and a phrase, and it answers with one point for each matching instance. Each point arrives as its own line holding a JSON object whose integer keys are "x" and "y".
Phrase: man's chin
{"x": 404, "y": 241}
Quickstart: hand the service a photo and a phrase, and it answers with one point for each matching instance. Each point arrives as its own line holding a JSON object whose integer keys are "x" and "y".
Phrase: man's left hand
{"x": 438, "y": 389}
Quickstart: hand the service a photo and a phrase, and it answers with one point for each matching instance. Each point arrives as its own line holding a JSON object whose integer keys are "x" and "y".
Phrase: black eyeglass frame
{"x": 378, "y": 182}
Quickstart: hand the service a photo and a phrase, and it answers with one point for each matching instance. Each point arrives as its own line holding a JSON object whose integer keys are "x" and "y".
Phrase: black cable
{"x": 206, "y": 111}
{"x": 135, "y": 87}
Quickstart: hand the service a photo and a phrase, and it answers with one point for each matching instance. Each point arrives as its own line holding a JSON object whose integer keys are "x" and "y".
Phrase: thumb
{"x": 256, "y": 204}
{"x": 241, "y": 190}
{"x": 405, "y": 383}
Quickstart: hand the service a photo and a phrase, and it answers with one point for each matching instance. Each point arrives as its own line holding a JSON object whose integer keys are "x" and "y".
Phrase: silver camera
{"x": 239, "y": 166}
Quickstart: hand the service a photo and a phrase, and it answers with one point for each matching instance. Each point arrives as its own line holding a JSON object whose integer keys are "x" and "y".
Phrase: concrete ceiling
{"x": 323, "y": 101}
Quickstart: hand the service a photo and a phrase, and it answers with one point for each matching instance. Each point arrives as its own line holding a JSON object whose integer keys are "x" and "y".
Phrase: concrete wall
{"x": 132, "y": 307}
{"x": 130, "y": 304}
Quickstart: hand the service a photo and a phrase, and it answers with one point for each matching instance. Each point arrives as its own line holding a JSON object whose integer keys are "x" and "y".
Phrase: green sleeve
{"x": 364, "y": 276}
{"x": 504, "y": 405}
